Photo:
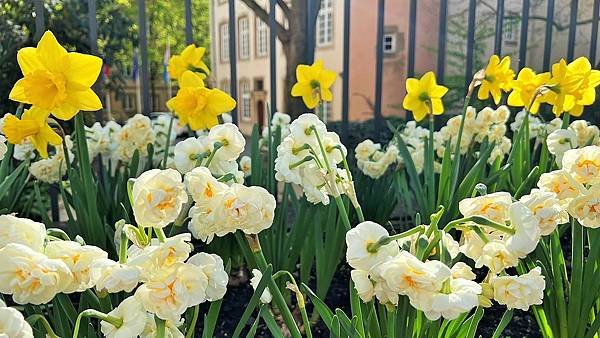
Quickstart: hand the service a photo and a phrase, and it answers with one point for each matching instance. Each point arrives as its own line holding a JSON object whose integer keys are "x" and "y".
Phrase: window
{"x": 325, "y": 111}
{"x": 389, "y": 43}
{"x": 510, "y": 29}
{"x": 224, "y": 29}
{"x": 325, "y": 23}
{"x": 156, "y": 103}
{"x": 245, "y": 96}
{"x": 259, "y": 85}
{"x": 129, "y": 102}
{"x": 244, "y": 38}
{"x": 225, "y": 86}
{"x": 262, "y": 37}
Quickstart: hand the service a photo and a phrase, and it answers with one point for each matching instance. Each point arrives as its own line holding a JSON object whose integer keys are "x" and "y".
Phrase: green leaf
{"x": 254, "y": 300}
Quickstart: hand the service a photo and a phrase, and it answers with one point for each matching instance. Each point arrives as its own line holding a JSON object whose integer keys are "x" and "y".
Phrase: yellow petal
{"x": 18, "y": 92}
{"x": 419, "y": 114}
{"x": 310, "y": 101}
{"x": 326, "y": 94}
{"x": 303, "y": 73}
{"x": 327, "y": 78}
{"x": 84, "y": 99}
{"x": 219, "y": 102}
{"x": 577, "y": 110}
{"x": 28, "y": 61}
{"x": 514, "y": 99}
{"x": 50, "y": 53}
{"x": 83, "y": 68}
{"x": 437, "y": 106}
{"x": 412, "y": 85}
{"x": 65, "y": 112}
{"x": 438, "y": 91}
{"x": 300, "y": 89}
{"x": 190, "y": 79}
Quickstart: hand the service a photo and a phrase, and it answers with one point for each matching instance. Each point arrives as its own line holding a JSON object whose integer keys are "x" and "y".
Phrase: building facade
{"x": 253, "y": 56}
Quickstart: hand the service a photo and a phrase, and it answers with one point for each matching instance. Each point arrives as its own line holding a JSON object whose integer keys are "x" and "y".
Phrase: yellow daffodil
{"x": 497, "y": 78}
{"x": 314, "y": 83}
{"x": 55, "y": 80}
{"x": 189, "y": 59}
{"x": 423, "y": 95}
{"x": 524, "y": 88}
{"x": 32, "y": 124}
{"x": 572, "y": 86}
{"x": 197, "y": 105}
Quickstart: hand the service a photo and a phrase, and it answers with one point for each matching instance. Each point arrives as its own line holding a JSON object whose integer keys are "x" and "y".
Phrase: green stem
{"x": 456, "y": 158}
{"x": 91, "y": 313}
{"x": 38, "y": 317}
{"x": 168, "y": 142}
{"x": 160, "y": 327}
{"x": 374, "y": 247}
{"x": 216, "y": 147}
{"x": 160, "y": 234}
{"x": 343, "y": 213}
{"x": 192, "y": 327}
{"x": 557, "y": 273}
{"x": 280, "y": 302}
{"x": 300, "y": 300}
{"x": 123, "y": 247}
{"x": 481, "y": 221}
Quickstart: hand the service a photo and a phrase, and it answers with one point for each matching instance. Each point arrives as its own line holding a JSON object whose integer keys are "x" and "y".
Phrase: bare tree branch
{"x": 559, "y": 27}
{"x": 281, "y": 32}
{"x": 284, "y": 7}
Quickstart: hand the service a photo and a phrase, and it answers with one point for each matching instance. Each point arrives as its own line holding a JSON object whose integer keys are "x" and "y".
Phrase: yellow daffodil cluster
{"x": 314, "y": 84}
{"x": 568, "y": 87}
{"x": 424, "y": 96}
{"x": 195, "y": 104}
{"x": 55, "y": 82}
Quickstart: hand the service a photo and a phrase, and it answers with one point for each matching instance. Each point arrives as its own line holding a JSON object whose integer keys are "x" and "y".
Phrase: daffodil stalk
{"x": 39, "y": 317}
{"x": 168, "y": 142}
{"x": 374, "y": 247}
{"x": 299, "y": 298}
{"x": 216, "y": 147}
{"x": 254, "y": 243}
{"x": 330, "y": 172}
{"x": 481, "y": 221}
{"x": 91, "y": 313}
{"x": 160, "y": 327}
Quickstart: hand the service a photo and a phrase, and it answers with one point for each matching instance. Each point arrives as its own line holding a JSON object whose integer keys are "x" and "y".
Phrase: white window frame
{"x": 225, "y": 86}
{"x": 510, "y": 28}
{"x": 129, "y": 102}
{"x": 245, "y": 106}
{"x": 224, "y": 41}
{"x": 244, "y": 38}
{"x": 325, "y": 23}
{"x": 392, "y": 44}
{"x": 262, "y": 38}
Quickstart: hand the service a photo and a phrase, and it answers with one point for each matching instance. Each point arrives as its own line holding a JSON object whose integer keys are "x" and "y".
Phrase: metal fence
{"x": 312, "y": 10}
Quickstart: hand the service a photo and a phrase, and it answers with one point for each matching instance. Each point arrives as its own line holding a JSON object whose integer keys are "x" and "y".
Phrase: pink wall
{"x": 362, "y": 53}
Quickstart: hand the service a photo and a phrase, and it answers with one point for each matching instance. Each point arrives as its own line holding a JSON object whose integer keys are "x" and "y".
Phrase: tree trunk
{"x": 294, "y": 51}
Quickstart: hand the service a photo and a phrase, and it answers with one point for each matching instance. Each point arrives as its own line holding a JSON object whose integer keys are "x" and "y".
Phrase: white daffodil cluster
{"x": 373, "y": 161}
{"x": 576, "y": 186}
{"x": 495, "y": 233}
{"x": 309, "y": 156}
{"x": 53, "y": 168}
{"x": 41, "y": 265}
{"x": 218, "y": 150}
{"x": 487, "y": 124}
{"x": 579, "y": 134}
{"x": 279, "y": 121}
{"x": 388, "y": 272}
{"x": 220, "y": 209}
{"x": 119, "y": 143}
